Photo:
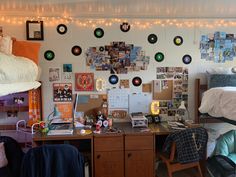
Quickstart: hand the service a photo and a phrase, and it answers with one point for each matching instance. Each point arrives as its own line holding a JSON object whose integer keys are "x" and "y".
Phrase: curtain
{"x": 34, "y": 106}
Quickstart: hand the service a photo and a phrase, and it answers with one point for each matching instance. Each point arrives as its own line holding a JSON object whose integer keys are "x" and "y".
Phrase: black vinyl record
{"x": 101, "y": 49}
{"x": 187, "y": 59}
{"x": 137, "y": 81}
{"x": 159, "y": 57}
{"x": 99, "y": 32}
{"x": 178, "y": 40}
{"x": 49, "y": 55}
{"x": 152, "y": 38}
{"x": 125, "y": 27}
{"x": 113, "y": 79}
{"x": 61, "y": 29}
{"x": 76, "y": 50}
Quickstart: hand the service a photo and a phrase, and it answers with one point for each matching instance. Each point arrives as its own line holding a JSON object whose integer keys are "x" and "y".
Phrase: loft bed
{"x": 215, "y": 81}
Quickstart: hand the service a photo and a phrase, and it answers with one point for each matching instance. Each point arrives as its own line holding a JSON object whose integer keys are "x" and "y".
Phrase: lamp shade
{"x": 182, "y": 106}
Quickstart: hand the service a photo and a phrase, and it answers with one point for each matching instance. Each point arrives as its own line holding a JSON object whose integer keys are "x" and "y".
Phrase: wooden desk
{"x": 130, "y": 153}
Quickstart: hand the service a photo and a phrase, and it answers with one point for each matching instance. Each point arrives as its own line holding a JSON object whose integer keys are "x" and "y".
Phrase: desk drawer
{"x": 139, "y": 142}
{"x": 109, "y": 143}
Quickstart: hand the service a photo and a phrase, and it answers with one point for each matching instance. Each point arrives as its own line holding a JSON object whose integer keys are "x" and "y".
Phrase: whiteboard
{"x": 140, "y": 102}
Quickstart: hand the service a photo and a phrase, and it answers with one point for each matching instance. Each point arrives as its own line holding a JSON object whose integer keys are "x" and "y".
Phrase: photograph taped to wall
{"x": 67, "y": 67}
{"x": 62, "y": 92}
{"x": 54, "y": 74}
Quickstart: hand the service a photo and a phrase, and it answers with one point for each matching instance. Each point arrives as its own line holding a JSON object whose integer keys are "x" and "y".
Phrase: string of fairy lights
{"x": 137, "y": 23}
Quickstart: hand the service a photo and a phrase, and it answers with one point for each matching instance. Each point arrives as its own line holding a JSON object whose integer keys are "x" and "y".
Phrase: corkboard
{"x": 165, "y": 94}
{"x": 92, "y": 104}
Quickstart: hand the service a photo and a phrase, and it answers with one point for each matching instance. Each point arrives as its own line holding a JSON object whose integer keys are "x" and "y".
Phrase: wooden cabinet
{"x": 139, "y": 155}
{"x": 109, "y": 156}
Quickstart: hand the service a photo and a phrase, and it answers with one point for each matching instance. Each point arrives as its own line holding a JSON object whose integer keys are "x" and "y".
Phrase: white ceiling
{"x": 121, "y": 8}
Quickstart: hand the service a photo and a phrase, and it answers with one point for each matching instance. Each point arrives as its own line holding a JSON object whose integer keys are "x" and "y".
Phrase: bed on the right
{"x": 215, "y": 102}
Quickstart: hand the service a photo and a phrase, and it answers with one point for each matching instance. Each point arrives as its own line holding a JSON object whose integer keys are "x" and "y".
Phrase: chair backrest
{"x": 62, "y": 160}
{"x": 14, "y": 155}
{"x": 190, "y": 144}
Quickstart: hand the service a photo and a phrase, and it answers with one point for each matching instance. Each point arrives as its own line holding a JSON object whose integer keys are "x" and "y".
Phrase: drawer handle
{"x": 98, "y": 156}
{"x": 129, "y": 154}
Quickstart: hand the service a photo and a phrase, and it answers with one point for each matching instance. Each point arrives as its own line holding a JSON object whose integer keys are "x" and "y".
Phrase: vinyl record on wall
{"x": 178, "y": 40}
{"x": 152, "y": 38}
{"x": 61, "y": 29}
{"x": 125, "y": 27}
{"x": 187, "y": 59}
{"x": 49, "y": 55}
{"x": 99, "y": 32}
{"x": 76, "y": 50}
{"x": 101, "y": 49}
{"x": 113, "y": 79}
{"x": 137, "y": 81}
{"x": 159, "y": 56}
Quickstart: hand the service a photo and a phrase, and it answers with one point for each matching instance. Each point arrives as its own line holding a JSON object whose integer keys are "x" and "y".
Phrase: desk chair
{"x": 53, "y": 160}
{"x": 14, "y": 156}
{"x": 184, "y": 149}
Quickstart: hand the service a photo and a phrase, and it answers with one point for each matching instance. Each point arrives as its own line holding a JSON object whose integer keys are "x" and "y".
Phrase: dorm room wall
{"x": 84, "y": 37}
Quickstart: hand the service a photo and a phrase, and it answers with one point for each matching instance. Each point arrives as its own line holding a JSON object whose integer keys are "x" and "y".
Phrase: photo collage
{"x": 179, "y": 90}
{"x": 118, "y": 57}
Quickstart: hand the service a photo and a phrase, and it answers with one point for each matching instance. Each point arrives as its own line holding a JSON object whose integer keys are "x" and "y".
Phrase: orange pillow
{"x": 26, "y": 49}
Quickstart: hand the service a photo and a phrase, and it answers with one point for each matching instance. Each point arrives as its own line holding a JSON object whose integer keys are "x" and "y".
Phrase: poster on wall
{"x": 62, "y": 92}
{"x": 67, "y": 72}
{"x": 218, "y": 47}
{"x": 66, "y": 110}
{"x": 54, "y": 74}
{"x": 84, "y": 81}
{"x": 118, "y": 57}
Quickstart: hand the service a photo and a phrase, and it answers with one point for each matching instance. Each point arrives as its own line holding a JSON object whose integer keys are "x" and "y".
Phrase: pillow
{"x": 3, "y": 158}
{"x": 221, "y": 80}
{"x": 26, "y": 49}
{"x": 6, "y": 45}
{"x": 219, "y": 70}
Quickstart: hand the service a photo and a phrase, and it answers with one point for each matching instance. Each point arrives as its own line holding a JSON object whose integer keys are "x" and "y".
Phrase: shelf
{"x": 14, "y": 108}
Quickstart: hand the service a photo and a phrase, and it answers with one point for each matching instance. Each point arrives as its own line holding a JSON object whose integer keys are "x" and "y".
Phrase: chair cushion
{"x": 226, "y": 144}
{"x": 232, "y": 156}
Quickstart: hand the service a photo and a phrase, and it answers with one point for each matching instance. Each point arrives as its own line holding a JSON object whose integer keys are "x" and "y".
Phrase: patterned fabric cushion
{"x": 3, "y": 158}
{"x": 221, "y": 80}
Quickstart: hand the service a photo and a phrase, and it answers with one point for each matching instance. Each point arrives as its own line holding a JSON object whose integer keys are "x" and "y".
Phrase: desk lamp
{"x": 183, "y": 112}
{"x": 55, "y": 113}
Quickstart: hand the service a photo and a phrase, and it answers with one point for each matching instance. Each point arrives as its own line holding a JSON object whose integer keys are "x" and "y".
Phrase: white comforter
{"x": 219, "y": 102}
{"x": 17, "y": 74}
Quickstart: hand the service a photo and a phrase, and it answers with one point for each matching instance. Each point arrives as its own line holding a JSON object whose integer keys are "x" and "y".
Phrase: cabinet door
{"x": 139, "y": 163}
{"x": 109, "y": 164}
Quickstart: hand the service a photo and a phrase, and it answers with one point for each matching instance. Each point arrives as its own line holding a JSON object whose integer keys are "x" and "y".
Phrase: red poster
{"x": 84, "y": 81}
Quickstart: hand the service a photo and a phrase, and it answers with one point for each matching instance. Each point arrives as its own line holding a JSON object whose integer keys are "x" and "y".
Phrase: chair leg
{"x": 169, "y": 170}
{"x": 199, "y": 169}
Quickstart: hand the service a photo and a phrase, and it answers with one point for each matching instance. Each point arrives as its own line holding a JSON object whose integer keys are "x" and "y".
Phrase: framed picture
{"x": 34, "y": 30}
{"x": 84, "y": 81}
{"x": 62, "y": 92}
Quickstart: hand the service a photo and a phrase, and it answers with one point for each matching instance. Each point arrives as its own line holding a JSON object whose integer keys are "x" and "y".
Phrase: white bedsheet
{"x": 6, "y": 89}
{"x": 219, "y": 102}
{"x": 17, "y": 69}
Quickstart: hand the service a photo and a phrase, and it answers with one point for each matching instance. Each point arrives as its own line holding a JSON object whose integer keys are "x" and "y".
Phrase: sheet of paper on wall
{"x": 157, "y": 86}
{"x": 140, "y": 102}
{"x": 82, "y": 99}
{"x": 118, "y": 98}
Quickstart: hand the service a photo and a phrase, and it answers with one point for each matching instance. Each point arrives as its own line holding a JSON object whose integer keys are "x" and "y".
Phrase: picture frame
{"x": 34, "y": 30}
